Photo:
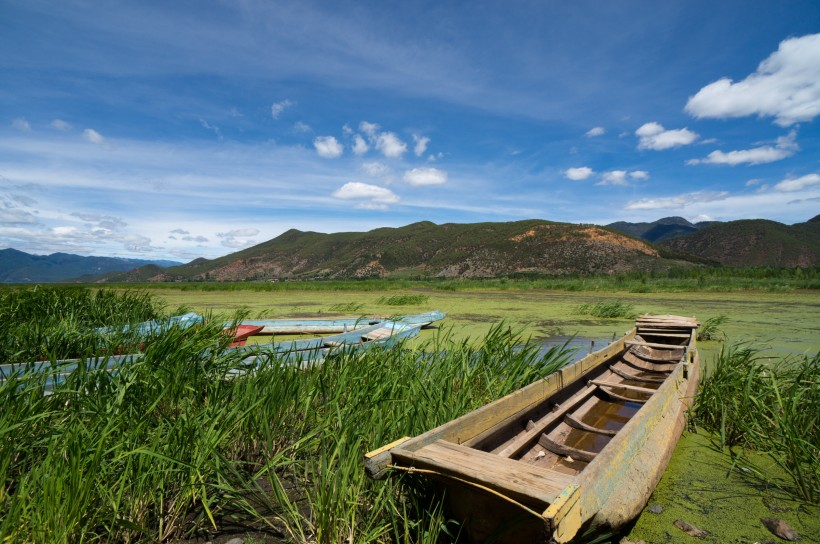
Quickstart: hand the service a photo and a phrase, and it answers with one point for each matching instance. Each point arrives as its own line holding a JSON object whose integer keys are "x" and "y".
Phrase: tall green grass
{"x": 770, "y": 407}
{"x": 54, "y": 322}
{"x": 613, "y": 309}
{"x": 176, "y": 446}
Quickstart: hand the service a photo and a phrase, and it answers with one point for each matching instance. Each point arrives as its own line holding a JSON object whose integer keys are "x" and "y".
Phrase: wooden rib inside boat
{"x": 579, "y": 450}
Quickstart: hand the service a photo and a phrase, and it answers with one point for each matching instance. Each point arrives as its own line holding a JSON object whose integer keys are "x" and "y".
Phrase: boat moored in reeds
{"x": 580, "y": 450}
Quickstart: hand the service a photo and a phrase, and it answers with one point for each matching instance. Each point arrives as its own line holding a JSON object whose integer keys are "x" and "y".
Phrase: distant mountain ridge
{"x": 667, "y": 227}
{"x": 754, "y": 242}
{"x": 20, "y": 267}
{"x": 425, "y": 249}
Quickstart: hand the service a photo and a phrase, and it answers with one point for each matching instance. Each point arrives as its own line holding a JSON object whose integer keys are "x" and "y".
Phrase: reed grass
{"x": 403, "y": 300}
{"x": 614, "y": 309}
{"x": 174, "y": 445}
{"x": 710, "y": 329}
{"x": 772, "y": 407}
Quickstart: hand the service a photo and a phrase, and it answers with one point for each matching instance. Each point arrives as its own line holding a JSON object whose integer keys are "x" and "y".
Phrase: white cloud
{"x": 785, "y": 86}
{"x": 390, "y": 145}
{"x": 786, "y": 146}
{"x": 238, "y": 238}
{"x": 420, "y": 144}
{"x": 301, "y": 127}
{"x": 578, "y": 174}
{"x": 654, "y": 136}
{"x": 346, "y": 130}
{"x": 596, "y": 131}
{"x": 375, "y": 169}
{"x": 798, "y": 184}
{"x": 197, "y": 239}
{"x": 676, "y": 202}
{"x": 328, "y": 147}
{"x": 369, "y": 128}
{"x": 701, "y": 218}
{"x": 21, "y": 124}
{"x": 277, "y": 108}
{"x": 59, "y": 124}
{"x": 93, "y": 136}
{"x": 371, "y": 197}
{"x": 180, "y": 231}
{"x": 425, "y": 176}
{"x": 614, "y": 177}
{"x": 360, "y": 147}
{"x": 639, "y": 174}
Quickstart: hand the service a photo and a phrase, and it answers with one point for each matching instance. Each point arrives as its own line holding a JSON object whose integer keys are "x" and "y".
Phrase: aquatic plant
{"x": 771, "y": 407}
{"x": 609, "y": 310}
{"x": 710, "y": 328}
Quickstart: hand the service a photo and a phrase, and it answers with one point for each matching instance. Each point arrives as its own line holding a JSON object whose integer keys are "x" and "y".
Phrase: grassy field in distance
{"x": 787, "y": 322}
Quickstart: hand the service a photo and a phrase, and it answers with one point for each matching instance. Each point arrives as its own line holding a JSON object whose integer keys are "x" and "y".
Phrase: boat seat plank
{"x": 653, "y": 345}
{"x": 378, "y": 334}
{"x": 615, "y": 396}
{"x": 604, "y": 383}
{"x": 490, "y": 470}
{"x": 560, "y": 449}
{"x": 572, "y": 421}
{"x": 662, "y": 333}
{"x": 538, "y": 427}
{"x": 628, "y": 376}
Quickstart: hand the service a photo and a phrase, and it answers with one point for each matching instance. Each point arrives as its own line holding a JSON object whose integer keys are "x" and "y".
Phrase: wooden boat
{"x": 241, "y": 333}
{"x": 580, "y": 450}
{"x": 338, "y": 325}
{"x": 313, "y": 350}
{"x": 296, "y": 352}
{"x": 155, "y": 326}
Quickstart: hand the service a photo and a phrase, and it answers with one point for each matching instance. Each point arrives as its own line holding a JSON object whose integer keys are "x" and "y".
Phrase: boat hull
{"x": 505, "y": 483}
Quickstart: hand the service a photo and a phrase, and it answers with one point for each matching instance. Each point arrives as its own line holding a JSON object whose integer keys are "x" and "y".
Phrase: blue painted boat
{"x": 339, "y": 325}
{"x": 156, "y": 326}
{"x": 297, "y": 352}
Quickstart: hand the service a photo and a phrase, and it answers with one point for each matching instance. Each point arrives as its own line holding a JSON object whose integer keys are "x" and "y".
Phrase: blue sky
{"x": 188, "y": 129}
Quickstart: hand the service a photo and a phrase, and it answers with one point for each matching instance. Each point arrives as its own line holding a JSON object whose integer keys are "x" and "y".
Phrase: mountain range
{"x": 20, "y": 267}
{"x": 473, "y": 250}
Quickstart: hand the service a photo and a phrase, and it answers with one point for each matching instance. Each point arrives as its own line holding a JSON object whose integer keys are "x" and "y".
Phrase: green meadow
{"x": 173, "y": 449}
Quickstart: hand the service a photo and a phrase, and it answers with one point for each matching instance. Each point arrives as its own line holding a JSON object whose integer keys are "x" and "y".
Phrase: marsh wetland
{"x": 170, "y": 451}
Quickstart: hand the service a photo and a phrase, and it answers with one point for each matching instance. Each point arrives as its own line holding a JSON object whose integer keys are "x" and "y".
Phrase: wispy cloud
{"x": 654, "y": 136}
{"x": 785, "y": 147}
{"x": 368, "y": 196}
{"x": 21, "y": 124}
{"x": 328, "y": 147}
{"x": 798, "y": 184}
{"x": 675, "y": 202}
{"x": 238, "y": 238}
{"x": 595, "y": 131}
{"x": 93, "y": 136}
{"x": 425, "y": 176}
{"x": 360, "y": 146}
{"x": 210, "y": 127}
{"x": 420, "y": 144}
{"x": 59, "y": 124}
{"x": 277, "y": 108}
{"x": 785, "y": 86}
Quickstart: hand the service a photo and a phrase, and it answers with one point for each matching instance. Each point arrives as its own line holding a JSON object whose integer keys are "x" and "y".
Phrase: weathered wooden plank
{"x": 525, "y": 438}
{"x": 653, "y": 332}
{"x": 654, "y": 345}
{"x": 604, "y": 383}
{"x": 513, "y": 478}
{"x": 628, "y": 376}
{"x": 376, "y": 461}
{"x": 560, "y": 449}
{"x": 616, "y": 396}
{"x": 572, "y": 421}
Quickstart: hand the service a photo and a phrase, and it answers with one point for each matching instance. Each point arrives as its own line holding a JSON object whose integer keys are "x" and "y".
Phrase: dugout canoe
{"x": 581, "y": 450}
{"x": 338, "y": 325}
